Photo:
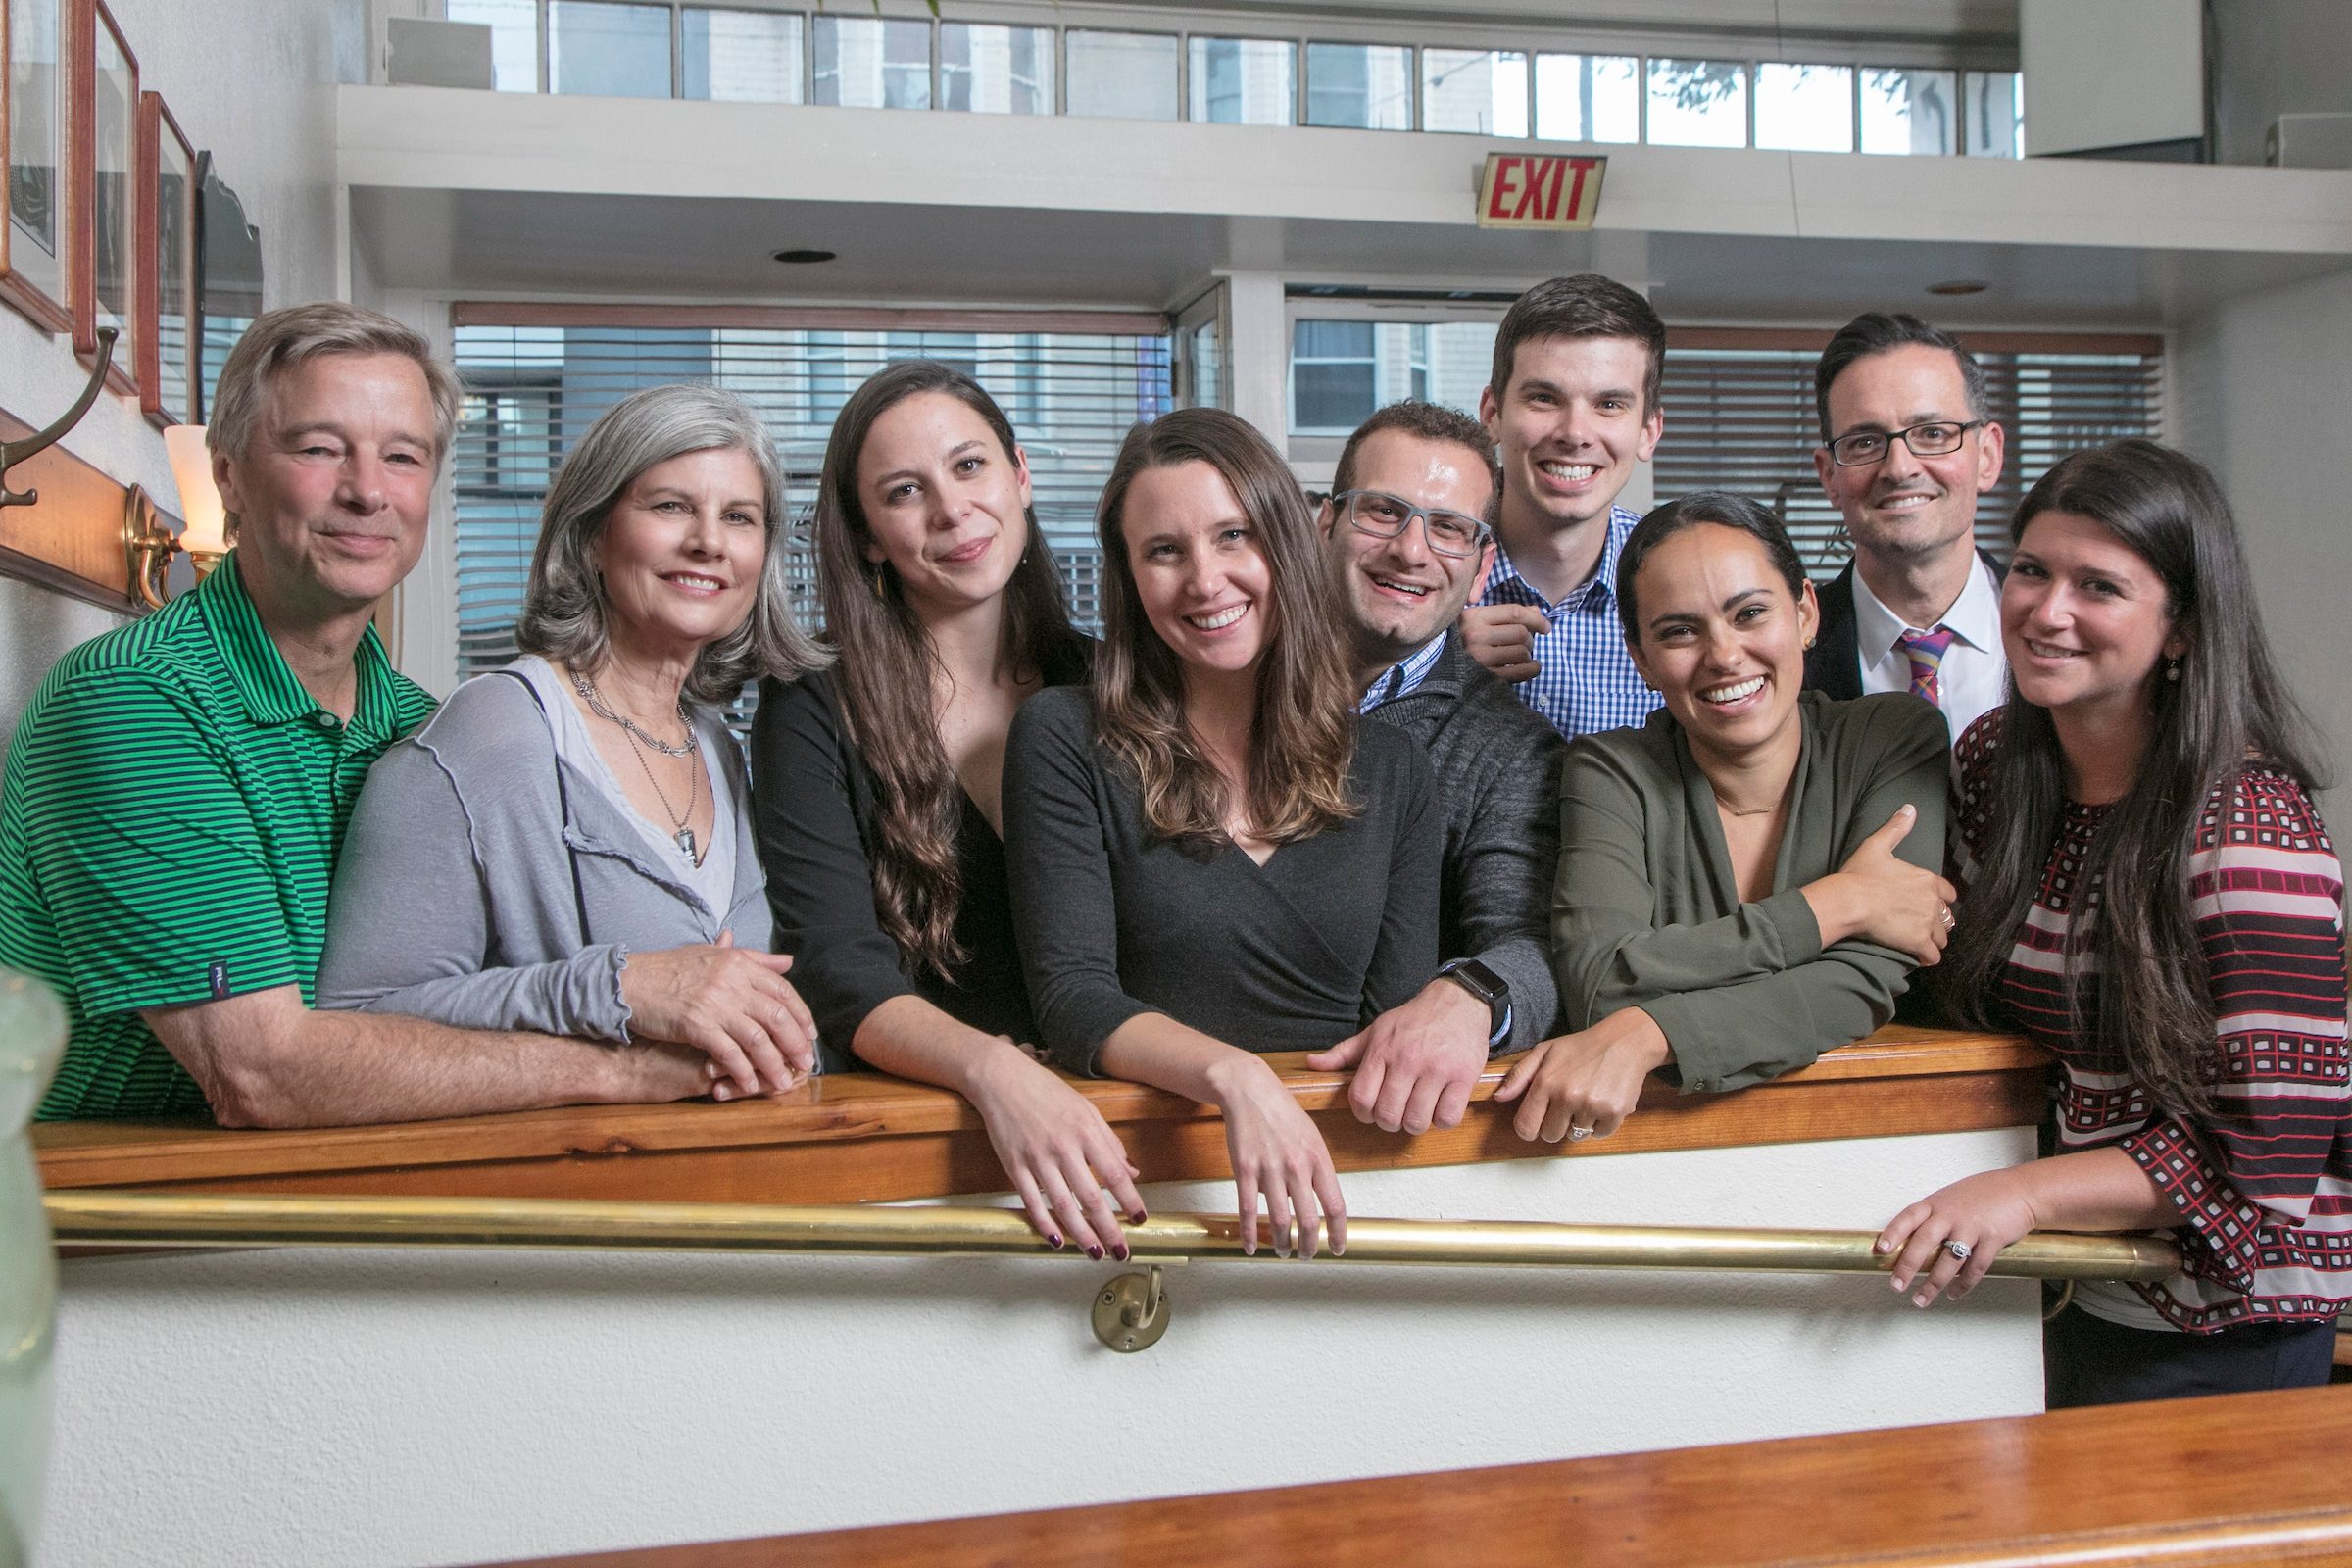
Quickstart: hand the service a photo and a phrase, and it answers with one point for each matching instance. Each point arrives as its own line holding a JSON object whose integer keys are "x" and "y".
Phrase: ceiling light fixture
{"x": 803, "y": 258}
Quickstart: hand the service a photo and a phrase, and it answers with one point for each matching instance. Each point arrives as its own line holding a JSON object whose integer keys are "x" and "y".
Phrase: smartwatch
{"x": 1488, "y": 987}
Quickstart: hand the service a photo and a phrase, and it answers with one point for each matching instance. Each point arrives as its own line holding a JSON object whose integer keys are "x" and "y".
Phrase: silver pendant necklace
{"x": 680, "y": 834}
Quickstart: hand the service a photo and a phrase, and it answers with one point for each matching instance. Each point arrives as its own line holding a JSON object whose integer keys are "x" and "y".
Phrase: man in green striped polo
{"x": 176, "y": 792}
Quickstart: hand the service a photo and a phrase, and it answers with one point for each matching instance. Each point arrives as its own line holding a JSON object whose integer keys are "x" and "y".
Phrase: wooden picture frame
{"x": 36, "y": 134}
{"x": 105, "y": 183}
{"x": 168, "y": 320}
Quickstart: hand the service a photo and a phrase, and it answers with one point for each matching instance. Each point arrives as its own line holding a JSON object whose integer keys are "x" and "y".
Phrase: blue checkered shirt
{"x": 1588, "y": 681}
{"x": 1404, "y": 678}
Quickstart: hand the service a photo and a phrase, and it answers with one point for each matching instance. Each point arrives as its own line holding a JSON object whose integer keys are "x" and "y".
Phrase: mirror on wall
{"x": 228, "y": 275}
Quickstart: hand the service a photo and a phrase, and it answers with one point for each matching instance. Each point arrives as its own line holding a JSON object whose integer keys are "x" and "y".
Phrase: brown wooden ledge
{"x": 861, "y": 1136}
{"x": 2252, "y": 1479}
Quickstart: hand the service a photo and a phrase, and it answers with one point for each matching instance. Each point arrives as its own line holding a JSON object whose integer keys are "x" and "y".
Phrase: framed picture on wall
{"x": 166, "y": 363}
{"x": 35, "y": 134}
{"x": 106, "y": 201}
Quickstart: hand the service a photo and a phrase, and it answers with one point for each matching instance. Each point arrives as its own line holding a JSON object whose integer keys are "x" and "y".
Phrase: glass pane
{"x": 115, "y": 226}
{"x": 1480, "y": 90}
{"x": 1587, "y": 98}
{"x": 35, "y": 145}
{"x": 607, "y": 51}
{"x": 1245, "y": 82}
{"x": 996, "y": 70}
{"x": 1699, "y": 103}
{"x": 1996, "y": 114}
{"x": 174, "y": 197}
{"x": 753, "y": 57}
{"x": 514, "y": 38}
{"x": 1368, "y": 86}
{"x": 867, "y": 62}
{"x": 1126, "y": 76}
{"x": 1340, "y": 372}
{"x": 1806, "y": 109}
{"x": 1908, "y": 111}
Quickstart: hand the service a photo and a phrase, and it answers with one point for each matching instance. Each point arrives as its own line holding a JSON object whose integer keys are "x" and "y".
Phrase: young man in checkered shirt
{"x": 1573, "y": 407}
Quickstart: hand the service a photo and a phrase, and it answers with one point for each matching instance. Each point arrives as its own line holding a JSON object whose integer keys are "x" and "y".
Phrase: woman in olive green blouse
{"x": 1749, "y": 878}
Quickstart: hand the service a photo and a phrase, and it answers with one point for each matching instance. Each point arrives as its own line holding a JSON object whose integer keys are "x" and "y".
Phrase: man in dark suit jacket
{"x": 1905, "y": 450}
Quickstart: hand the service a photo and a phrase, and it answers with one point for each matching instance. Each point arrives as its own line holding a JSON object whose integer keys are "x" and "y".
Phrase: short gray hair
{"x": 563, "y": 610}
{"x": 280, "y": 340}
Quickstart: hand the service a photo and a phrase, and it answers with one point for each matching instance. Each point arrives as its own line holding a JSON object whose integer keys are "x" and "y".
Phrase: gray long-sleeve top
{"x": 1114, "y": 922}
{"x": 1646, "y": 911}
{"x": 455, "y": 900}
{"x": 1498, "y": 765}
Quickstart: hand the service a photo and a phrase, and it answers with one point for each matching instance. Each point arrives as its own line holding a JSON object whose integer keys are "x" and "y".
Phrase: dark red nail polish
{"x": 1140, "y": 1217}
{"x": 1055, "y": 1239}
{"x": 1094, "y": 1253}
{"x": 1119, "y": 1252}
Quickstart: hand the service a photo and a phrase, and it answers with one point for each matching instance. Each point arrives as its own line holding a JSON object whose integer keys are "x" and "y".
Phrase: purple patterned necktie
{"x": 1924, "y": 650}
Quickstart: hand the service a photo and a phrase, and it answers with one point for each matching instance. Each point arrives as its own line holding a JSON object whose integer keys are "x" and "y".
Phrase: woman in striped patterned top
{"x": 2148, "y": 891}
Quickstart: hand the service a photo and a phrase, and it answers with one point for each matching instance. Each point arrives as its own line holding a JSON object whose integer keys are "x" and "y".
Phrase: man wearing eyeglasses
{"x": 1409, "y": 543}
{"x": 1906, "y": 449}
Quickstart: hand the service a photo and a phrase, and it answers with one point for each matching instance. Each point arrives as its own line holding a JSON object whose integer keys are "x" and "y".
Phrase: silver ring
{"x": 1948, "y": 921}
{"x": 1576, "y": 1135}
{"x": 1958, "y": 1250}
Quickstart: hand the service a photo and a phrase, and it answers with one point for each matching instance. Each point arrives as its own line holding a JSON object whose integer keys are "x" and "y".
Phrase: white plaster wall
{"x": 408, "y": 1408}
{"x": 2261, "y": 383}
{"x": 253, "y": 81}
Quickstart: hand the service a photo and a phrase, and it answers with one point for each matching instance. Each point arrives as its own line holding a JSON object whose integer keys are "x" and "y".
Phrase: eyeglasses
{"x": 1386, "y": 516}
{"x": 1937, "y": 438}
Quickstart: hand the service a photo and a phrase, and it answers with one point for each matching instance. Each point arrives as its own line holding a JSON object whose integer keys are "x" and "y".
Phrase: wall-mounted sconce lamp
{"x": 205, "y": 538}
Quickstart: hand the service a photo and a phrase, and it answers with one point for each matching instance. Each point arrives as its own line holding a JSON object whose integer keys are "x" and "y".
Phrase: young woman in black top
{"x": 877, "y": 784}
{"x": 1209, "y": 858}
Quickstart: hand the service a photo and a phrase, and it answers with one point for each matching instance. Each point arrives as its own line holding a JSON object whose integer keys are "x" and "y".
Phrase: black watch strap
{"x": 1488, "y": 987}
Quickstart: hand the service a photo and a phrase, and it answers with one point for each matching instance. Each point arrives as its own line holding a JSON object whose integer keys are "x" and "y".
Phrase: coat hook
{"x": 13, "y": 453}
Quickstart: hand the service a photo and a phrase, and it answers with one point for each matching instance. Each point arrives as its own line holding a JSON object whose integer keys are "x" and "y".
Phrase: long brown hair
{"x": 919, "y": 812}
{"x": 2228, "y": 711}
{"x": 1303, "y": 737}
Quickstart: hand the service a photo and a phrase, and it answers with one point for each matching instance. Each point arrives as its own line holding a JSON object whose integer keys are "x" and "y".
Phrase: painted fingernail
{"x": 1053, "y": 1240}
{"x": 1139, "y": 1217}
{"x": 1119, "y": 1252}
{"x": 1094, "y": 1253}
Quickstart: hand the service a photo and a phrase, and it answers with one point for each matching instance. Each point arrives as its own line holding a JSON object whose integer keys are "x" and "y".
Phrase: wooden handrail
{"x": 858, "y": 1136}
{"x": 2252, "y": 1479}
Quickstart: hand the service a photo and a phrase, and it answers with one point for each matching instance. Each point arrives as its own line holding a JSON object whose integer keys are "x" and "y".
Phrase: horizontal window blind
{"x": 533, "y": 386}
{"x": 1739, "y": 417}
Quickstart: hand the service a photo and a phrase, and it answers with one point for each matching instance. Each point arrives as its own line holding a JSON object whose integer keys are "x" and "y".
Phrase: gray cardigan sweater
{"x": 455, "y": 896}
{"x": 1497, "y": 763}
{"x": 1647, "y": 911}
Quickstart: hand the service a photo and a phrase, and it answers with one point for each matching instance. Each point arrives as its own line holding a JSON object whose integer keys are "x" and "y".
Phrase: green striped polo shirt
{"x": 168, "y": 824}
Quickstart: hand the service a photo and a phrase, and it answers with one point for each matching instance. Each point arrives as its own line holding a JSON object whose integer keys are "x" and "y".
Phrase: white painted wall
{"x": 254, "y": 82}
{"x": 253, "y": 1409}
{"x": 2260, "y": 388}
{"x": 2111, "y": 72}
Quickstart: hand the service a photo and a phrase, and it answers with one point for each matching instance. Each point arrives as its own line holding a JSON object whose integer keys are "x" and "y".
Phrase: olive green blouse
{"x": 1646, "y": 911}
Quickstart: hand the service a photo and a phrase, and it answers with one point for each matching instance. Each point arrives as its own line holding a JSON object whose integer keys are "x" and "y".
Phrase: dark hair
{"x": 882, "y": 678}
{"x": 1587, "y": 304}
{"x": 1718, "y": 506}
{"x": 1431, "y": 421}
{"x": 2227, "y": 712}
{"x": 1879, "y": 333}
{"x": 1303, "y": 738}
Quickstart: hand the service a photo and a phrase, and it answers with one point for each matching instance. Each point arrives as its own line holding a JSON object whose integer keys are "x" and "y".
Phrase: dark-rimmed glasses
{"x": 1385, "y": 516}
{"x": 1936, "y": 438}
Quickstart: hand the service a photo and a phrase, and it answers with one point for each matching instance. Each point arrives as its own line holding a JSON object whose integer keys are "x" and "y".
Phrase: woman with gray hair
{"x": 567, "y": 846}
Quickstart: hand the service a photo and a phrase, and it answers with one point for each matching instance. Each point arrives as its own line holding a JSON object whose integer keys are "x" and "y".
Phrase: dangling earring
{"x": 2172, "y": 670}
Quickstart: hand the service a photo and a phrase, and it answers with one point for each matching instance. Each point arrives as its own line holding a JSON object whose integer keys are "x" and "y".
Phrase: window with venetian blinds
{"x": 537, "y": 377}
{"x": 1740, "y": 416}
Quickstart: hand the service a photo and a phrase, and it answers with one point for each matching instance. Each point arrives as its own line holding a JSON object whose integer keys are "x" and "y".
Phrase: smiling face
{"x": 1401, "y": 593}
{"x": 945, "y": 504}
{"x": 1723, "y": 639}
{"x": 1200, "y": 567}
{"x": 1904, "y": 506}
{"x": 681, "y": 551}
{"x": 333, "y": 491}
{"x": 2084, "y": 618}
{"x": 1570, "y": 427}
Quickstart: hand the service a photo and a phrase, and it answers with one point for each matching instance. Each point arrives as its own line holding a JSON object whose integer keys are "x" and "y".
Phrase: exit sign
{"x": 1522, "y": 190}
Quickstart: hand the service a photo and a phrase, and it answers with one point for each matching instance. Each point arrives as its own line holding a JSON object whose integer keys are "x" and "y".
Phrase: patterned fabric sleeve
{"x": 2266, "y": 889}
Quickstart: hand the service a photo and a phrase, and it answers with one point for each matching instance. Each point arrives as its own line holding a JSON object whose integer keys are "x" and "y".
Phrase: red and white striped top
{"x": 2264, "y": 1183}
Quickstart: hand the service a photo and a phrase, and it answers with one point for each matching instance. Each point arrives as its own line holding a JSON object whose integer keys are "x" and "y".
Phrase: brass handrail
{"x": 108, "y": 1217}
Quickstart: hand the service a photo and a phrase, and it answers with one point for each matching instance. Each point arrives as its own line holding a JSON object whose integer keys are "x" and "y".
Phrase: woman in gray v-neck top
{"x": 1208, "y": 859}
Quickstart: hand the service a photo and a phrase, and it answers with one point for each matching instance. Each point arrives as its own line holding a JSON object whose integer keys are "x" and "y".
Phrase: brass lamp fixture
{"x": 204, "y": 539}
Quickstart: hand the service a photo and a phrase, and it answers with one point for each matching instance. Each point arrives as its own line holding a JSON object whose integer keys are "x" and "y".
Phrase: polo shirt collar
{"x": 1975, "y": 617}
{"x": 1595, "y": 593}
{"x": 266, "y": 685}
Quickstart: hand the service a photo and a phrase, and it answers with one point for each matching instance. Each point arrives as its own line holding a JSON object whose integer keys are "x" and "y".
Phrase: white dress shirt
{"x": 1974, "y": 676}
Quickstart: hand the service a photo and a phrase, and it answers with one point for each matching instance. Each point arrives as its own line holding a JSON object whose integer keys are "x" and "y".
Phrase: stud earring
{"x": 2172, "y": 670}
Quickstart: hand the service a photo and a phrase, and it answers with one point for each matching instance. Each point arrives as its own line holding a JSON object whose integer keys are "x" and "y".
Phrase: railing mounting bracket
{"x": 1131, "y": 1311}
